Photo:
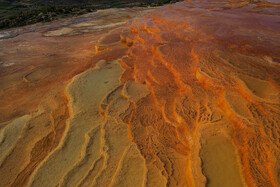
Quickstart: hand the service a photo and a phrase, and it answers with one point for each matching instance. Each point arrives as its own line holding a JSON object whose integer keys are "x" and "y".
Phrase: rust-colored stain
{"x": 180, "y": 81}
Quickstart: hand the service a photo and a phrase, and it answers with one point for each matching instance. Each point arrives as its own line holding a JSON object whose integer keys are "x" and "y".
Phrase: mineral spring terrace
{"x": 186, "y": 94}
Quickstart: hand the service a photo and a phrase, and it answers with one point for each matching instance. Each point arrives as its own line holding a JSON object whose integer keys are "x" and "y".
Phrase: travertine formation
{"x": 184, "y": 95}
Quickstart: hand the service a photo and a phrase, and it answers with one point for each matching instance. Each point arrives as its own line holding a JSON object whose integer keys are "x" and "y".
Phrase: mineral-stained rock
{"x": 183, "y": 95}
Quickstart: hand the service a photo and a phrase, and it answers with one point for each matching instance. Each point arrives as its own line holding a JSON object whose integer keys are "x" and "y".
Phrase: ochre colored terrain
{"x": 183, "y": 95}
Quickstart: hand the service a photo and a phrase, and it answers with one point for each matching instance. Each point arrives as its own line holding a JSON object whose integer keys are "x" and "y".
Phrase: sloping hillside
{"x": 23, "y": 12}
